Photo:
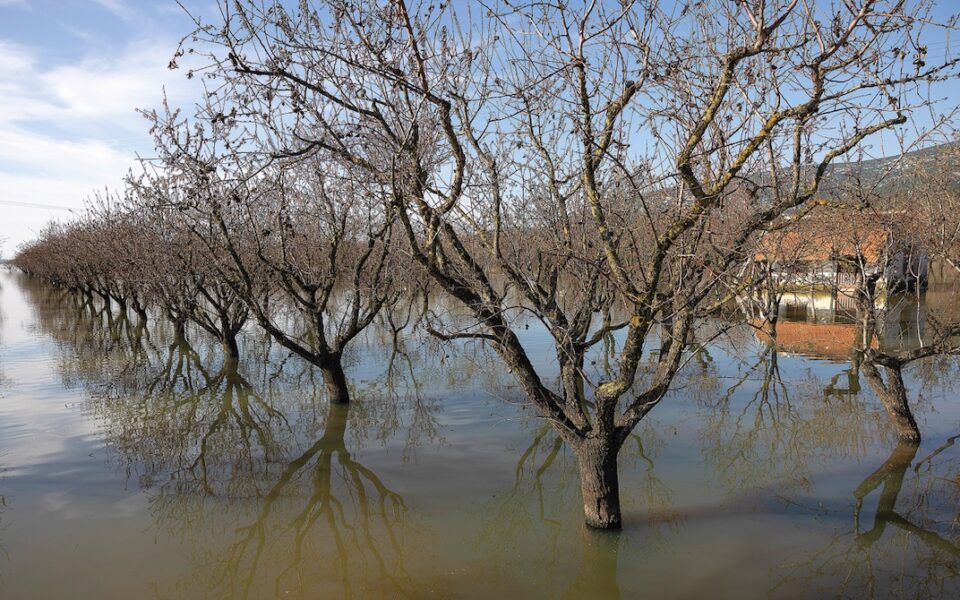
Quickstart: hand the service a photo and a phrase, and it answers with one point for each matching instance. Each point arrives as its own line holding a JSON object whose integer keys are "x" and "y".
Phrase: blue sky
{"x": 72, "y": 73}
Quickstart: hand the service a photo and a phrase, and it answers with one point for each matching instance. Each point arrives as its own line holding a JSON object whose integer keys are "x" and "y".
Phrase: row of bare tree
{"x": 563, "y": 160}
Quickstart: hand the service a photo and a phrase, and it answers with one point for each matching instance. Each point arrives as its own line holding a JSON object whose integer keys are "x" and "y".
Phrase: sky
{"x": 72, "y": 74}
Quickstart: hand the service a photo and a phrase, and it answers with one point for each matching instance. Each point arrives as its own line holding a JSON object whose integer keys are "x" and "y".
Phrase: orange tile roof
{"x": 834, "y": 341}
{"x": 825, "y": 236}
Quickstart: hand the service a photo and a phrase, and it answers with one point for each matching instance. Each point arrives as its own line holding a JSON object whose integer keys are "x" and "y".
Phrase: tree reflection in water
{"x": 770, "y": 432}
{"x": 260, "y": 454}
{"x": 318, "y": 472}
{"x": 910, "y": 547}
{"x": 246, "y": 463}
{"x": 538, "y": 514}
{"x": 294, "y": 493}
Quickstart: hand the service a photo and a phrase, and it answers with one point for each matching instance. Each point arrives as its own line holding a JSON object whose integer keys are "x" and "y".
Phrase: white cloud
{"x": 67, "y": 130}
{"x": 95, "y": 91}
{"x": 46, "y": 171}
{"x": 17, "y": 59}
{"x": 30, "y": 153}
{"x": 118, "y": 7}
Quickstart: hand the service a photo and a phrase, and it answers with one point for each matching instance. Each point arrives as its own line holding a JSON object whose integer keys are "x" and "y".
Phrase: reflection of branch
{"x": 862, "y": 560}
{"x": 932, "y": 455}
{"x": 320, "y": 462}
{"x": 400, "y": 369}
{"x": 930, "y": 537}
{"x": 179, "y": 367}
{"x": 891, "y": 474}
{"x": 235, "y": 405}
{"x": 764, "y": 425}
{"x": 530, "y": 455}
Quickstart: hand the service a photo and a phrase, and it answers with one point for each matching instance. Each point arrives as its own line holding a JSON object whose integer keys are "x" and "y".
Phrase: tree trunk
{"x": 230, "y": 347}
{"x": 336, "y": 381}
{"x": 893, "y": 395}
{"x": 572, "y": 380}
{"x": 597, "y": 575}
{"x": 771, "y": 328}
{"x": 139, "y": 309}
{"x": 895, "y": 401}
{"x": 179, "y": 329}
{"x": 87, "y": 296}
{"x": 599, "y": 483}
{"x": 772, "y": 310}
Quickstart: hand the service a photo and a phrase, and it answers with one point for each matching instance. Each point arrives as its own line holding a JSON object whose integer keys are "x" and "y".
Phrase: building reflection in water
{"x": 904, "y": 534}
{"x": 275, "y": 493}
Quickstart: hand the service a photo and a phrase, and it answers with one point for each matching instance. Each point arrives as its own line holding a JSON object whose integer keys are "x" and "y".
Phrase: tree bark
{"x": 599, "y": 482}
{"x": 893, "y": 395}
{"x": 179, "y": 329}
{"x": 230, "y": 347}
{"x": 336, "y": 381}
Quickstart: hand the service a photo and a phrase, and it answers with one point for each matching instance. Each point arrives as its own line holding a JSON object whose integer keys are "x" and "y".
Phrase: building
{"x": 838, "y": 249}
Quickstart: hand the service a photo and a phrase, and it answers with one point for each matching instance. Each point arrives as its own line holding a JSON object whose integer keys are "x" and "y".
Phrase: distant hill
{"x": 894, "y": 173}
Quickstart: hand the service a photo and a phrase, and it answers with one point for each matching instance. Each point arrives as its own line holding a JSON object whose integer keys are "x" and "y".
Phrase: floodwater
{"x": 136, "y": 466}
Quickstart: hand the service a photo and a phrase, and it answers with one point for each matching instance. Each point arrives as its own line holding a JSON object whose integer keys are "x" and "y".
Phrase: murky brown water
{"x": 134, "y": 466}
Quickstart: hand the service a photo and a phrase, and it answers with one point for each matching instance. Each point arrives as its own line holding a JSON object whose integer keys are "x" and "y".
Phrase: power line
{"x": 37, "y": 205}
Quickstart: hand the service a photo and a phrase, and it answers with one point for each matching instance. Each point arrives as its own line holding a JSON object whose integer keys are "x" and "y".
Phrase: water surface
{"x": 135, "y": 465}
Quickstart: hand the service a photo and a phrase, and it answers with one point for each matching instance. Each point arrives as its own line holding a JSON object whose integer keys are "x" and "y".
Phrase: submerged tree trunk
{"x": 771, "y": 328}
{"x": 231, "y": 348}
{"x": 599, "y": 483}
{"x": 86, "y": 298}
{"x": 893, "y": 395}
{"x": 180, "y": 329}
{"x": 140, "y": 310}
{"x": 597, "y": 575}
{"x": 771, "y": 309}
{"x": 335, "y": 380}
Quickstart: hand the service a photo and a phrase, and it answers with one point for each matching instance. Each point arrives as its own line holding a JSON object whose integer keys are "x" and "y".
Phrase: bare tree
{"x": 562, "y": 159}
{"x": 883, "y": 291}
{"x": 305, "y": 245}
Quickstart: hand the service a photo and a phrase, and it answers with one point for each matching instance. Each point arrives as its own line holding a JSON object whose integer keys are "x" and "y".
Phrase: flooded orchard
{"x": 136, "y": 463}
{"x": 390, "y": 299}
